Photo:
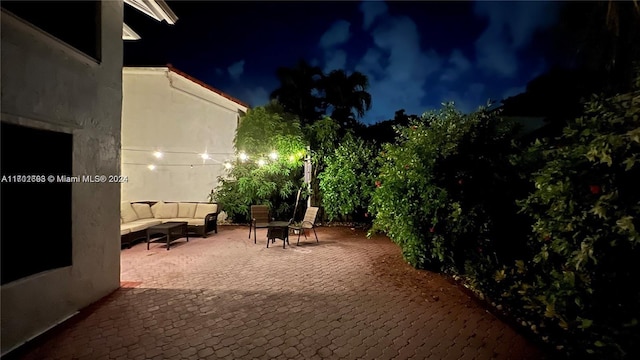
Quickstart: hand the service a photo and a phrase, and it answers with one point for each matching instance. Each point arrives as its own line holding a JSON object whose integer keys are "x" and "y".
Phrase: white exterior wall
{"x": 167, "y": 112}
{"x": 49, "y": 85}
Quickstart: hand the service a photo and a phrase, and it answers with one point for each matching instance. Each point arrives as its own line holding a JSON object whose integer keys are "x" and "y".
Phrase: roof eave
{"x": 242, "y": 106}
{"x": 157, "y": 9}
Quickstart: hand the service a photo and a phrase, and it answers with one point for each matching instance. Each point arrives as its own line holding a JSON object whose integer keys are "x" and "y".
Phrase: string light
{"x": 160, "y": 154}
{"x": 177, "y": 152}
{"x": 205, "y": 156}
{"x": 156, "y": 166}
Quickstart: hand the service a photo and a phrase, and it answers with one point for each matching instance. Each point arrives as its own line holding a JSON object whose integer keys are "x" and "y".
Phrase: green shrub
{"x": 347, "y": 180}
{"x": 443, "y": 188}
{"x": 582, "y": 282}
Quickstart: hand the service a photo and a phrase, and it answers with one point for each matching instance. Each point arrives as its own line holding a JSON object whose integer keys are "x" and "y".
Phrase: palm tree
{"x": 298, "y": 90}
{"x": 345, "y": 95}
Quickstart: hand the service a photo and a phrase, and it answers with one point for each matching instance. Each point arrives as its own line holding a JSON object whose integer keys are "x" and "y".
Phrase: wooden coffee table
{"x": 168, "y": 229}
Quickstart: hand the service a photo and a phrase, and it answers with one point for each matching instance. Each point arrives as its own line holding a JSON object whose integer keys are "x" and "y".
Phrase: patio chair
{"x": 309, "y": 222}
{"x": 259, "y": 219}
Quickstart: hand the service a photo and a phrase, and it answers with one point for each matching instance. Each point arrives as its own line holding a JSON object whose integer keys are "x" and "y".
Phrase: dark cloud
{"x": 457, "y": 65}
{"x": 511, "y": 27}
{"x": 335, "y": 59}
{"x": 256, "y": 96}
{"x": 236, "y": 69}
{"x": 397, "y": 68}
{"x": 337, "y": 34}
{"x": 372, "y": 10}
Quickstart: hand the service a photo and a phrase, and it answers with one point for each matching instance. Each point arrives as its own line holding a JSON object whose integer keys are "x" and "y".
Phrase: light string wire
{"x": 178, "y": 152}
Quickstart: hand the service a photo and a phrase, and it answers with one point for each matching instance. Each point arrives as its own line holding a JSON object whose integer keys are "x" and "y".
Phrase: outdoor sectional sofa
{"x": 137, "y": 217}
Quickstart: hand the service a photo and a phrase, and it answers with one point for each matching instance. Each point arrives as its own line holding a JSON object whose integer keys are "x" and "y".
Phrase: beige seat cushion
{"x": 127, "y": 213}
{"x": 186, "y": 210}
{"x": 143, "y": 210}
{"x": 196, "y": 222}
{"x": 124, "y": 231}
{"x": 203, "y": 210}
{"x": 140, "y": 224}
{"x": 148, "y": 222}
{"x": 131, "y": 227}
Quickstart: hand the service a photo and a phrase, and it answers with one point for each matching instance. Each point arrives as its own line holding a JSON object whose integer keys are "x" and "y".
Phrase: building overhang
{"x": 157, "y": 9}
{"x": 128, "y": 33}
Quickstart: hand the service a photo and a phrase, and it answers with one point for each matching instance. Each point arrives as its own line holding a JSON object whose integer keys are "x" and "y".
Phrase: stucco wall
{"x": 46, "y": 84}
{"x": 164, "y": 111}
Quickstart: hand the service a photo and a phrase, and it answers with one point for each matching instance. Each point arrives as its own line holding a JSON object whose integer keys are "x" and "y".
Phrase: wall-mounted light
{"x": 158, "y": 154}
{"x": 151, "y": 167}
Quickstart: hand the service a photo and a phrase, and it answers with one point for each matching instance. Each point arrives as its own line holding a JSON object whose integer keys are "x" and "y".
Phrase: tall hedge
{"x": 441, "y": 192}
{"x": 582, "y": 281}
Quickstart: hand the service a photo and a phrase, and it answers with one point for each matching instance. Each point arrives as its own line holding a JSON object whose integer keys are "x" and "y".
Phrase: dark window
{"x": 75, "y": 22}
{"x": 35, "y": 234}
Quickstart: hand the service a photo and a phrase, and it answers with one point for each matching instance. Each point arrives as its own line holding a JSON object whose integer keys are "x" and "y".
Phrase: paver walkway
{"x": 225, "y": 297}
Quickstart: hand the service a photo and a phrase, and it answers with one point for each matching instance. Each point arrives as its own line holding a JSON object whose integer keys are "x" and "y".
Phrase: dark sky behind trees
{"x": 415, "y": 54}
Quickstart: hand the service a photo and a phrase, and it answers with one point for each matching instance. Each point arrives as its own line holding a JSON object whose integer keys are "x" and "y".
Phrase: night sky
{"x": 416, "y": 54}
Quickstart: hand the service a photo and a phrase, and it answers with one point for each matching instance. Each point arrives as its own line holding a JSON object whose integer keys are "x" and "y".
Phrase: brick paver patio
{"x": 225, "y": 297}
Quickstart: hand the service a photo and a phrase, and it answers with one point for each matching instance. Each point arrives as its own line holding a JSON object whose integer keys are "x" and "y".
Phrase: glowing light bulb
{"x": 273, "y": 155}
{"x": 261, "y": 162}
{"x": 243, "y": 157}
{"x": 227, "y": 165}
{"x": 204, "y": 156}
{"x": 151, "y": 167}
{"x": 158, "y": 154}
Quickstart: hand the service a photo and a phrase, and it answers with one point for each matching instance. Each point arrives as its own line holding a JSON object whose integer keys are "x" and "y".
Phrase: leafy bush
{"x": 581, "y": 284}
{"x": 347, "y": 180}
{"x": 324, "y": 137}
{"x": 261, "y": 179}
{"x": 442, "y": 192}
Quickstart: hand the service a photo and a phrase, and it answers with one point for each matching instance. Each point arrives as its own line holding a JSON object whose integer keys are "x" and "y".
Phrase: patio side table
{"x": 278, "y": 230}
